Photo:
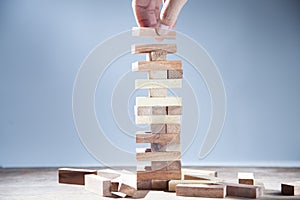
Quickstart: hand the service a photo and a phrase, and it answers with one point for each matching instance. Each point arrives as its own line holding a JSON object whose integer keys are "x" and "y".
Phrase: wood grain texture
{"x": 156, "y": 101}
{"x": 166, "y": 165}
{"x": 142, "y": 137}
{"x": 187, "y": 171}
{"x": 156, "y": 55}
{"x": 174, "y": 110}
{"x": 159, "y": 175}
{"x": 246, "y": 178}
{"x": 97, "y": 184}
{"x": 158, "y": 156}
{"x": 158, "y": 92}
{"x": 168, "y": 147}
{"x": 242, "y": 190}
{"x": 148, "y": 32}
{"x": 201, "y": 190}
{"x": 291, "y": 188}
{"x": 158, "y": 128}
{"x": 175, "y": 74}
{"x": 158, "y": 83}
{"x": 172, "y": 183}
{"x": 162, "y": 74}
{"x": 144, "y": 184}
{"x": 173, "y": 128}
{"x": 128, "y": 183}
{"x": 147, "y": 48}
{"x": 150, "y": 110}
{"x": 144, "y": 66}
{"x": 159, "y": 184}
{"x": 73, "y": 176}
{"x": 158, "y": 119}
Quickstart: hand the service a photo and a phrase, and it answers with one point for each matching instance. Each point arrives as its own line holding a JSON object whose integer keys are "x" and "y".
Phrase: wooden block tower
{"x": 160, "y": 111}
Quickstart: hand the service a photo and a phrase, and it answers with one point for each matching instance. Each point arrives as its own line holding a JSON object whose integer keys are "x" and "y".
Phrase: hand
{"x": 147, "y": 12}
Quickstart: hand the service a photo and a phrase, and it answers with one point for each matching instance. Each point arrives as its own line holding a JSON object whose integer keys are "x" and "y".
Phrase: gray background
{"x": 255, "y": 44}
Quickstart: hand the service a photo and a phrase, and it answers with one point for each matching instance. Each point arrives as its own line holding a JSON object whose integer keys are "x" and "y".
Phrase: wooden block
{"x": 156, "y": 65}
{"x": 199, "y": 177}
{"x": 128, "y": 183}
{"x": 98, "y": 185}
{"x": 156, "y": 101}
{"x": 173, "y": 128}
{"x": 174, "y": 110}
{"x": 159, "y": 175}
{"x": 242, "y": 190}
{"x": 157, "y": 137}
{"x": 158, "y": 92}
{"x": 175, "y": 74}
{"x": 169, "y": 147}
{"x": 201, "y": 190}
{"x": 166, "y": 165}
{"x": 156, "y": 55}
{"x": 159, "y": 184}
{"x": 73, "y": 176}
{"x": 158, "y": 156}
{"x": 119, "y": 194}
{"x": 144, "y": 184}
{"x": 158, "y": 83}
{"x": 157, "y": 74}
{"x": 173, "y": 183}
{"x": 246, "y": 178}
{"x": 148, "y": 32}
{"x": 151, "y": 110}
{"x": 147, "y": 48}
{"x": 187, "y": 171}
{"x": 158, "y": 128}
{"x": 108, "y": 173}
{"x": 158, "y": 119}
{"x": 292, "y": 188}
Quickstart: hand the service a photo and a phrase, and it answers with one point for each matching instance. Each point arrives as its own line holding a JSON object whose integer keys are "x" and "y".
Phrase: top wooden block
{"x": 152, "y": 33}
{"x": 148, "y": 48}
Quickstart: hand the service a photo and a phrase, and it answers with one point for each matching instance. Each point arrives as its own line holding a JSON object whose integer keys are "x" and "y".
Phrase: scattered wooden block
{"x": 173, "y": 128}
{"x": 73, "y": 176}
{"x": 157, "y": 83}
{"x": 159, "y": 175}
{"x": 199, "y": 177}
{"x": 174, "y": 110}
{"x": 246, "y": 178}
{"x": 144, "y": 184}
{"x": 156, "y": 65}
{"x": 119, "y": 194}
{"x": 157, "y": 137}
{"x": 156, "y": 101}
{"x": 173, "y": 183}
{"x": 166, "y": 165}
{"x": 175, "y": 74}
{"x": 158, "y": 156}
{"x": 108, "y": 173}
{"x": 187, "y": 171}
{"x": 152, "y": 33}
{"x": 157, "y": 74}
{"x": 201, "y": 190}
{"x": 158, "y": 119}
{"x": 242, "y": 190}
{"x": 156, "y": 55}
{"x": 158, "y": 128}
{"x": 158, "y": 92}
{"x": 128, "y": 183}
{"x": 292, "y": 188}
{"x": 98, "y": 185}
{"x": 159, "y": 184}
{"x": 147, "y": 48}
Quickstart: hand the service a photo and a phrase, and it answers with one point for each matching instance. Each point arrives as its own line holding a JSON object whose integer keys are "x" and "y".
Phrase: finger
{"x": 170, "y": 12}
{"x": 146, "y": 13}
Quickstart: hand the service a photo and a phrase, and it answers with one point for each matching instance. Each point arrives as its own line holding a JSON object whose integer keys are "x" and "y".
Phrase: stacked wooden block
{"x": 160, "y": 111}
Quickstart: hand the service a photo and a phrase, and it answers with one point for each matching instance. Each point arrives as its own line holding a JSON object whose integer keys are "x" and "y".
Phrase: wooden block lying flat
{"x": 151, "y": 110}
{"x": 158, "y": 83}
{"x": 128, "y": 183}
{"x": 166, "y": 165}
{"x": 292, "y": 188}
{"x": 158, "y": 128}
{"x": 158, "y": 156}
{"x": 156, "y": 55}
{"x": 119, "y": 194}
{"x": 175, "y": 74}
{"x": 158, "y": 119}
{"x": 201, "y": 190}
{"x": 157, "y": 138}
{"x": 174, "y": 110}
{"x": 152, "y": 33}
{"x": 242, "y": 190}
{"x": 173, "y": 128}
{"x": 159, "y": 184}
{"x": 156, "y": 65}
{"x": 158, "y": 175}
{"x": 73, "y": 176}
{"x": 173, "y": 183}
{"x": 156, "y": 101}
{"x": 98, "y": 185}
{"x": 200, "y": 177}
{"x": 147, "y": 48}
{"x": 187, "y": 171}
{"x": 246, "y": 178}
{"x": 158, "y": 92}
{"x": 157, "y": 74}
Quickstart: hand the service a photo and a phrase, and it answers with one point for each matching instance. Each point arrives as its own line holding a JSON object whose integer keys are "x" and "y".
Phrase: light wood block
{"x": 158, "y": 128}
{"x": 148, "y": 32}
{"x": 144, "y": 66}
{"x": 156, "y": 101}
{"x": 98, "y": 185}
{"x": 242, "y": 190}
{"x": 157, "y": 74}
{"x": 158, "y": 119}
{"x": 147, "y": 48}
{"x": 292, "y": 188}
{"x": 187, "y": 171}
{"x": 174, "y": 110}
{"x": 159, "y": 184}
{"x": 166, "y": 165}
{"x": 201, "y": 190}
{"x": 169, "y": 147}
{"x": 246, "y": 178}
{"x": 157, "y": 137}
{"x": 175, "y": 74}
{"x": 173, "y": 183}
{"x": 73, "y": 176}
{"x": 173, "y": 128}
{"x": 151, "y": 110}
{"x": 156, "y": 55}
{"x": 144, "y": 184}
{"x": 158, "y": 156}
{"x": 158, "y": 92}
{"x": 159, "y": 175}
{"x": 158, "y": 83}
{"x": 128, "y": 183}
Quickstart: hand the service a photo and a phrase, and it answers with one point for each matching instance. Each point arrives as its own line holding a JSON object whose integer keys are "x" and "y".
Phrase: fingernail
{"x": 162, "y": 29}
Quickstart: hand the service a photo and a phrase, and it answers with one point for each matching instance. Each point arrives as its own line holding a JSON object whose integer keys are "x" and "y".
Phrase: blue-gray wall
{"x": 255, "y": 44}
